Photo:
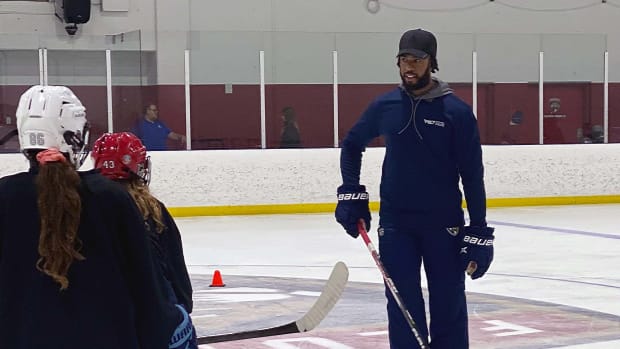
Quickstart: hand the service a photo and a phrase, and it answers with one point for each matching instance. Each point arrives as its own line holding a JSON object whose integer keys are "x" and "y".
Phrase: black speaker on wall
{"x": 73, "y": 11}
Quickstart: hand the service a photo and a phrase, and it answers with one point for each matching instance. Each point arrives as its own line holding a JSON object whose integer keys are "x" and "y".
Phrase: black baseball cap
{"x": 418, "y": 42}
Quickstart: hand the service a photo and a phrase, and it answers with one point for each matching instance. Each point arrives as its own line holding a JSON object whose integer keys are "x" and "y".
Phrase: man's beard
{"x": 423, "y": 81}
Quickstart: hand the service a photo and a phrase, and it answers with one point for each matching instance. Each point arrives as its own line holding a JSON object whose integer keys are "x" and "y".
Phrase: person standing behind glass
{"x": 290, "y": 136}
{"x": 153, "y": 133}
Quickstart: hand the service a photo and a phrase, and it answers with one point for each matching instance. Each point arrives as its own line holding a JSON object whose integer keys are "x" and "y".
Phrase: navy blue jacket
{"x": 113, "y": 299}
{"x": 431, "y": 142}
{"x": 168, "y": 256}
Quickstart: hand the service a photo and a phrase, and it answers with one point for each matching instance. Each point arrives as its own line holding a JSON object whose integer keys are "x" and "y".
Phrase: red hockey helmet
{"x": 119, "y": 155}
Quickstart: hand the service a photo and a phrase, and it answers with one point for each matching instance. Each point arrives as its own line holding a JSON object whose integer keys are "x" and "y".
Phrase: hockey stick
{"x": 8, "y": 136}
{"x": 323, "y": 305}
{"x": 361, "y": 227}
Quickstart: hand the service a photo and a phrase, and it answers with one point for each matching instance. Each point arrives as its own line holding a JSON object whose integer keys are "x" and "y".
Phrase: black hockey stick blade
{"x": 329, "y": 297}
{"x": 12, "y": 133}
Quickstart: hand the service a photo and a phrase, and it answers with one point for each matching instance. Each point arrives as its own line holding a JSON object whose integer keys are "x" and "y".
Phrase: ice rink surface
{"x": 554, "y": 282}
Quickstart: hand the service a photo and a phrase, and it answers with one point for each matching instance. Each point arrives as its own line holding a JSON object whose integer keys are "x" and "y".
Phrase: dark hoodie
{"x": 432, "y": 142}
{"x": 168, "y": 256}
{"x": 113, "y": 299}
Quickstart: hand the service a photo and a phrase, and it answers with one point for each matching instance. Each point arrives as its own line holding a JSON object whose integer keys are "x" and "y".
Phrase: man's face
{"x": 414, "y": 72}
{"x": 152, "y": 112}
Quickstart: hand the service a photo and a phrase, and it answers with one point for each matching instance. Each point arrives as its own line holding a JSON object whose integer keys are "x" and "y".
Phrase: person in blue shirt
{"x": 431, "y": 144}
{"x": 153, "y": 133}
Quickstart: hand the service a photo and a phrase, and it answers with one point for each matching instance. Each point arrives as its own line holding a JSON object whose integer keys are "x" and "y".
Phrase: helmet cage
{"x": 78, "y": 141}
{"x": 144, "y": 171}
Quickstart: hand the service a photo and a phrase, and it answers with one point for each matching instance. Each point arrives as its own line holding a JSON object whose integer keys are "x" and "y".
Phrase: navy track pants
{"x": 402, "y": 252}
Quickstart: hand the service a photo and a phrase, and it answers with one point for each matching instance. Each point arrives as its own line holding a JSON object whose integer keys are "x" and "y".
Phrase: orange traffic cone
{"x": 217, "y": 280}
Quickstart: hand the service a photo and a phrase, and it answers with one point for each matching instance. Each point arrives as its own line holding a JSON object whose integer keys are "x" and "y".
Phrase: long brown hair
{"x": 60, "y": 207}
{"x": 149, "y": 206}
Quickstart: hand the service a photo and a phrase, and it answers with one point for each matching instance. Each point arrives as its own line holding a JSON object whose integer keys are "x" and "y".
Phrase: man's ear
{"x": 398, "y": 62}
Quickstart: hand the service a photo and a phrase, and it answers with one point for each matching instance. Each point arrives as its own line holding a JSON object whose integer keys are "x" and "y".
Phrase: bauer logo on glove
{"x": 352, "y": 206}
{"x": 478, "y": 241}
{"x": 353, "y": 196}
{"x": 477, "y": 250}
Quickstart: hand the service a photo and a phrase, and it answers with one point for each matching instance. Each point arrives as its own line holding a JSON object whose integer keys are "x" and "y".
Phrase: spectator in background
{"x": 589, "y": 133}
{"x": 598, "y": 135}
{"x": 289, "y": 137}
{"x": 154, "y": 133}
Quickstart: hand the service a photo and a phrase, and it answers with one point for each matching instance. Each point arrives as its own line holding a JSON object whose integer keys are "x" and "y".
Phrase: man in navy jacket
{"x": 432, "y": 143}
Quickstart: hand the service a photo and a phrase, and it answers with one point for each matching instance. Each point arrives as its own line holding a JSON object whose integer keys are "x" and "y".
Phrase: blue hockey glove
{"x": 477, "y": 249}
{"x": 352, "y": 206}
{"x": 184, "y": 336}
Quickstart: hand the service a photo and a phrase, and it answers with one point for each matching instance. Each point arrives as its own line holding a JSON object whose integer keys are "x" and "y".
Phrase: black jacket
{"x": 113, "y": 299}
{"x": 168, "y": 255}
{"x": 290, "y": 136}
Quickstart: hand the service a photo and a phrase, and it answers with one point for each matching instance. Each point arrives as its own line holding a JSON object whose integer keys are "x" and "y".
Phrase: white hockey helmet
{"x": 53, "y": 117}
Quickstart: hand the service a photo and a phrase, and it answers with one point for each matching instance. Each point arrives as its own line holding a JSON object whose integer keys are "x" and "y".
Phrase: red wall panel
{"x": 225, "y": 120}
{"x": 614, "y": 112}
{"x": 561, "y": 123}
{"x": 353, "y": 101}
{"x": 232, "y": 120}
{"x": 503, "y": 103}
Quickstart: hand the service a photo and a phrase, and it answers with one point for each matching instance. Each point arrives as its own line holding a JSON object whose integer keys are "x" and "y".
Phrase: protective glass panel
{"x": 364, "y": 74}
{"x": 454, "y": 59}
{"x": 84, "y": 72}
{"x": 128, "y": 75}
{"x": 299, "y": 90}
{"x": 508, "y": 88}
{"x": 225, "y": 89}
{"x": 614, "y": 99}
{"x": 573, "y": 90}
{"x": 19, "y": 69}
{"x": 614, "y": 110}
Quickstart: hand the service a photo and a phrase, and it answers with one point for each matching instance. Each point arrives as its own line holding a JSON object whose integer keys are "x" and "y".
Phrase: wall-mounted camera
{"x": 72, "y": 12}
{"x": 71, "y": 29}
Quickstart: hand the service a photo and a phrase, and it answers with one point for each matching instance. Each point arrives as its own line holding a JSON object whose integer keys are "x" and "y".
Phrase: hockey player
{"x": 122, "y": 157}
{"x": 432, "y": 142}
{"x": 75, "y": 268}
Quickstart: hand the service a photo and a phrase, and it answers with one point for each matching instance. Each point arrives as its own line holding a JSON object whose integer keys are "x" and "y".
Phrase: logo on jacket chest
{"x": 434, "y": 123}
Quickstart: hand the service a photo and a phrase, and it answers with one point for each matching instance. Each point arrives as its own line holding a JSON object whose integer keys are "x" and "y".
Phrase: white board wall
{"x": 298, "y": 176}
